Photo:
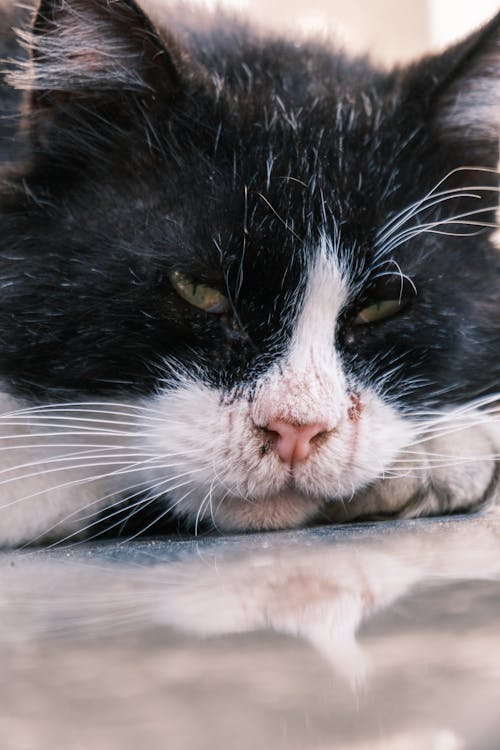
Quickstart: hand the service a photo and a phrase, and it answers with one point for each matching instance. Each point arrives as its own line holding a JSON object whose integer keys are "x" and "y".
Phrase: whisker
{"x": 77, "y": 512}
{"x": 52, "y": 420}
{"x": 407, "y": 213}
{"x": 158, "y": 518}
{"x": 444, "y": 197}
{"x": 78, "y": 404}
{"x": 200, "y": 512}
{"x": 136, "y": 506}
{"x": 72, "y": 433}
{"x": 430, "y": 227}
{"x": 472, "y": 405}
{"x": 127, "y": 468}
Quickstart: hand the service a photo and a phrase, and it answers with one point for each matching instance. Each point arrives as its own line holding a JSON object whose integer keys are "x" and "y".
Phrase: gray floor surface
{"x": 376, "y": 636}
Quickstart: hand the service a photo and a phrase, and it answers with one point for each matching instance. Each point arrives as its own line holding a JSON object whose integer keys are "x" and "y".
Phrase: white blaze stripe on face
{"x": 309, "y": 385}
{"x": 326, "y": 294}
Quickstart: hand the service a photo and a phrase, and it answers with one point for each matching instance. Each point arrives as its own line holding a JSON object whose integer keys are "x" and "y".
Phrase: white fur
{"x": 310, "y": 386}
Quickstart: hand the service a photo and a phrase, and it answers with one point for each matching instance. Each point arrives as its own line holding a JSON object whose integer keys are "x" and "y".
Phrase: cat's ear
{"x": 93, "y": 59}
{"x": 466, "y": 102}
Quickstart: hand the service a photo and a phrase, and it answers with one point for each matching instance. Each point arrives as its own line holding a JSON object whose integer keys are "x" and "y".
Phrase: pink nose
{"x": 294, "y": 442}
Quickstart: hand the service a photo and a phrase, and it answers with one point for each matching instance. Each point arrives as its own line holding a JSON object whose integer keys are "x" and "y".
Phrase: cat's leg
{"x": 58, "y": 469}
{"x": 457, "y": 470}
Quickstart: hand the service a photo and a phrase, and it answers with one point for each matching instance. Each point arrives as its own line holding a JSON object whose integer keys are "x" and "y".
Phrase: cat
{"x": 246, "y": 283}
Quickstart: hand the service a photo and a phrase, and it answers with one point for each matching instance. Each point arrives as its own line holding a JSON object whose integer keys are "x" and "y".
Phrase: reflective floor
{"x": 380, "y": 636}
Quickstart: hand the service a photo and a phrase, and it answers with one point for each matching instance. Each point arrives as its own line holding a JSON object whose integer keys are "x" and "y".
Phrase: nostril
{"x": 293, "y": 442}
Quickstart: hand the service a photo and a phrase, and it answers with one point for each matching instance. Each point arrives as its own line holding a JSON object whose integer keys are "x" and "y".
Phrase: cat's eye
{"x": 202, "y": 296}
{"x": 386, "y": 308}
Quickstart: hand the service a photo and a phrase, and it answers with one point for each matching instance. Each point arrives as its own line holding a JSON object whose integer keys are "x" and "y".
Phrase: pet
{"x": 246, "y": 283}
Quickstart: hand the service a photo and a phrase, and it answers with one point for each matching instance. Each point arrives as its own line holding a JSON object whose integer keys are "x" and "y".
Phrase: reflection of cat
{"x": 244, "y": 281}
{"x": 322, "y": 594}
{"x": 317, "y": 588}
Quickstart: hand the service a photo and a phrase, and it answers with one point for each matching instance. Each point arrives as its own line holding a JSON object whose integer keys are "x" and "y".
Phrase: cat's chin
{"x": 283, "y": 510}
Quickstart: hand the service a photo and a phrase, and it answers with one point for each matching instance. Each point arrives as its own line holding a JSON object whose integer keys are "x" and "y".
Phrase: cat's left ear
{"x": 466, "y": 99}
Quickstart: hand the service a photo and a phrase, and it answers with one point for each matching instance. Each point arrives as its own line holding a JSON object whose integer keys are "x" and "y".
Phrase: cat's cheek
{"x": 455, "y": 472}
{"x": 206, "y": 450}
{"x": 382, "y": 434}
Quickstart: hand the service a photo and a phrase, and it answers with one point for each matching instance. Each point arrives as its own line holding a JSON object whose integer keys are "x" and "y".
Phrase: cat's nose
{"x": 293, "y": 443}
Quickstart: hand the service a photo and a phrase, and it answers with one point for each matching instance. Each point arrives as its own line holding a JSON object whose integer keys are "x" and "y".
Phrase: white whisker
{"x": 160, "y": 516}
{"x": 77, "y": 406}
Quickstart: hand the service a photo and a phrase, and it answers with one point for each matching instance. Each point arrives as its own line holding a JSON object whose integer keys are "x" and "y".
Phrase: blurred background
{"x": 391, "y": 30}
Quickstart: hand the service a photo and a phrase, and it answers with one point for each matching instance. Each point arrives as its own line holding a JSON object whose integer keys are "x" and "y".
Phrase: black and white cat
{"x": 245, "y": 282}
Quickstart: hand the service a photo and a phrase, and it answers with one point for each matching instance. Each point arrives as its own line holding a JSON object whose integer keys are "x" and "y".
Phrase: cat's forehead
{"x": 314, "y": 136}
{"x": 307, "y": 155}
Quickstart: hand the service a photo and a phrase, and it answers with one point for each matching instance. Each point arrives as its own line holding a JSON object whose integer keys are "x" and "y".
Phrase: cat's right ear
{"x": 94, "y": 66}
{"x": 462, "y": 87}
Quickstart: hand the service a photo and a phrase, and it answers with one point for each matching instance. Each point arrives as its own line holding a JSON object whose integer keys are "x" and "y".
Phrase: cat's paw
{"x": 455, "y": 471}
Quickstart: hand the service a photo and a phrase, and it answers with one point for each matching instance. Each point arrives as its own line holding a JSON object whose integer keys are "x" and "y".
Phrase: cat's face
{"x": 250, "y": 241}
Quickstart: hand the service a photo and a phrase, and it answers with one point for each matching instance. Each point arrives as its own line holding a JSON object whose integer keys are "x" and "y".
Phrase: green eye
{"x": 199, "y": 295}
{"x": 379, "y": 311}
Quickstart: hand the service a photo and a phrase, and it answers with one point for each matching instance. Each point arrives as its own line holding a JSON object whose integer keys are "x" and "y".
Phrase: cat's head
{"x": 283, "y": 255}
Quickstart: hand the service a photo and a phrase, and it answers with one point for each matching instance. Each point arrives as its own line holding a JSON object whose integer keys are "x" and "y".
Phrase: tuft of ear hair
{"x": 87, "y": 46}
{"x": 469, "y": 97}
{"x": 97, "y": 70}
